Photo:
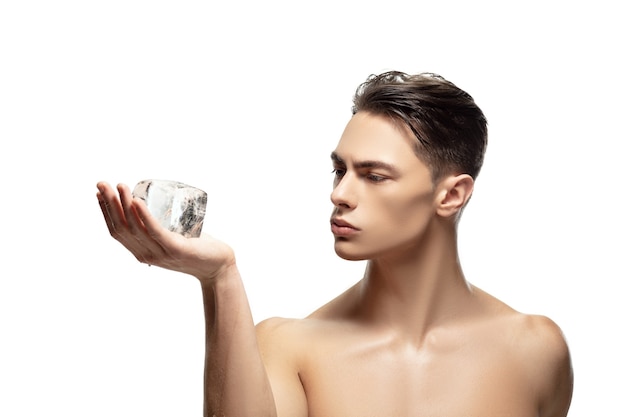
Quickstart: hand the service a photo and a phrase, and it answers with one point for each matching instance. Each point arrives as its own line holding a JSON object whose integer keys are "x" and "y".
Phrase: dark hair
{"x": 450, "y": 128}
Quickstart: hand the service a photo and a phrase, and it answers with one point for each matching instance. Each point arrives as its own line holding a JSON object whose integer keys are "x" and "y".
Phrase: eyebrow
{"x": 366, "y": 164}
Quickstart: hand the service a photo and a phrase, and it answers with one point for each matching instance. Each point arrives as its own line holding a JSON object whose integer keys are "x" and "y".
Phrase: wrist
{"x": 227, "y": 272}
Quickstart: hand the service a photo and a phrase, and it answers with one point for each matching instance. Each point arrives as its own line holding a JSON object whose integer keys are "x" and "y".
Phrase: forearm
{"x": 236, "y": 383}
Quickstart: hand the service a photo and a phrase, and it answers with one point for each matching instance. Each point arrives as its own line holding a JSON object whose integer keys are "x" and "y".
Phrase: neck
{"x": 416, "y": 289}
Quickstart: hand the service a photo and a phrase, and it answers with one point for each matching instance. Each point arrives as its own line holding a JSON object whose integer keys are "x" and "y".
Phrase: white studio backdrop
{"x": 246, "y": 100}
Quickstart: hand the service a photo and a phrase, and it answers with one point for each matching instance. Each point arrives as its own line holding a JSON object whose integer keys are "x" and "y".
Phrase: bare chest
{"x": 381, "y": 382}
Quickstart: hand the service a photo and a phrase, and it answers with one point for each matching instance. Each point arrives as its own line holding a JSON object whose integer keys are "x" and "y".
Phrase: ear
{"x": 453, "y": 193}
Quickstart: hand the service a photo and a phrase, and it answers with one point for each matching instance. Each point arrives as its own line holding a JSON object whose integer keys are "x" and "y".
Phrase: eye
{"x": 339, "y": 172}
{"x": 375, "y": 178}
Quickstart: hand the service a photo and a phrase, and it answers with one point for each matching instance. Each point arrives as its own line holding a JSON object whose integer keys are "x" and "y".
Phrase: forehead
{"x": 370, "y": 137}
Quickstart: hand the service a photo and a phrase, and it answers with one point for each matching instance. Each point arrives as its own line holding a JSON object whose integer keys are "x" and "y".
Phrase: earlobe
{"x": 454, "y": 193}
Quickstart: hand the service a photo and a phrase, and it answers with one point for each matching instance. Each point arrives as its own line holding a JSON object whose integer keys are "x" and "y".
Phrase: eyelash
{"x": 375, "y": 178}
{"x": 339, "y": 172}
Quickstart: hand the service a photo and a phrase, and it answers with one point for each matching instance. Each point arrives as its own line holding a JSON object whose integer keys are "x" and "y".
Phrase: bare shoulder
{"x": 286, "y": 340}
{"x": 535, "y": 348}
{"x": 279, "y": 332}
{"x": 275, "y": 325}
{"x": 532, "y": 336}
{"x": 539, "y": 348}
{"x": 281, "y": 347}
{"x": 539, "y": 342}
{"x": 288, "y": 333}
{"x": 538, "y": 337}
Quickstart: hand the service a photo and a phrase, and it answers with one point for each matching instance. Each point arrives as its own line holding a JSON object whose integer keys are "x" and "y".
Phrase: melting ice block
{"x": 179, "y": 207}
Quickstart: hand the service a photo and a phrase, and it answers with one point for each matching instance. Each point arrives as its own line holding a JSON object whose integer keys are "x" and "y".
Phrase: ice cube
{"x": 179, "y": 207}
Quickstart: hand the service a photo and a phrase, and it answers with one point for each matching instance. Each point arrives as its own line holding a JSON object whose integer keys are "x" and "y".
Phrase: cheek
{"x": 405, "y": 218}
{"x": 390, "y": 227}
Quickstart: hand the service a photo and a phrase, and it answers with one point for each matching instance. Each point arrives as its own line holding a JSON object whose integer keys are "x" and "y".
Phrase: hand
{"x": 131, "y": 224}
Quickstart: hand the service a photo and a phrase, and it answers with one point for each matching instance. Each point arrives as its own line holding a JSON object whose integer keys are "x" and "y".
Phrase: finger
{"x": 150, "y": 224}
{"x": 132, "y": 220}
{"x": 145, "y": 248}
{"x": 124, "y": 224}
{"x": 167, "y": 243}
{"x": 117, "y": 221}
{"x": 111, "y": 208}
{"x": 105, "y": 212}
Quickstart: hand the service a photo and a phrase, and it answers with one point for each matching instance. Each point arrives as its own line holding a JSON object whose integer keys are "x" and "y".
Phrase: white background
{"x": 247, "y": 100}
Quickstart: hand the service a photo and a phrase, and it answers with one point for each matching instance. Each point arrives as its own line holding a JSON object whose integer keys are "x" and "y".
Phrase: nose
{"x": 343, "y": 194}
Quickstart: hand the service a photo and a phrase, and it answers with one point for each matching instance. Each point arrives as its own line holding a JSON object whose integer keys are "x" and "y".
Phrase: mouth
{"x": 341, "y": 227}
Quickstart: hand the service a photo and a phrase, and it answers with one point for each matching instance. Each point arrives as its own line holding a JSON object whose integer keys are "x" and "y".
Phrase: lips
{"x": 341, "y": 223}
{"x": 340, "y": 227}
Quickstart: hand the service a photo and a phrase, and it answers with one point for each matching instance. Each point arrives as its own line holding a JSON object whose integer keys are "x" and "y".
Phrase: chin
{"x": 350, "y": 255}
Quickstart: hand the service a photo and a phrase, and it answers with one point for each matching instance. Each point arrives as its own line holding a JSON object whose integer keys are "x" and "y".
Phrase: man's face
{"x": 383, "y": 194}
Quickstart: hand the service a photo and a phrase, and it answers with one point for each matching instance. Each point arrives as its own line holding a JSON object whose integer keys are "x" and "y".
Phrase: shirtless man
{"x": 412, "y": 338}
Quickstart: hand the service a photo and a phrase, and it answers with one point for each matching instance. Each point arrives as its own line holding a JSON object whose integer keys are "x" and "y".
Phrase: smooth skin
{"x": 412, "y": 338}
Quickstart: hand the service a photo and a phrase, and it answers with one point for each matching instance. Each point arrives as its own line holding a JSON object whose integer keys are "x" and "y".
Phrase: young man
{"x": 412, "y": 337}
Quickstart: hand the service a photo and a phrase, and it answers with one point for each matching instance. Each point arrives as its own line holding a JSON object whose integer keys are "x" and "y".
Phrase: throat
{"x": 412, "y": 300}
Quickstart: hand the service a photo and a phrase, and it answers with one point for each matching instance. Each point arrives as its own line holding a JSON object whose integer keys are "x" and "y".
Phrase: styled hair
{"x": 450, "y": 129}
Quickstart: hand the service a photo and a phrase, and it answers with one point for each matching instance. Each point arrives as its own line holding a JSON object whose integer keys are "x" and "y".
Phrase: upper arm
{"x": 279, "y": 345}
{"x": 546, "y": 349}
